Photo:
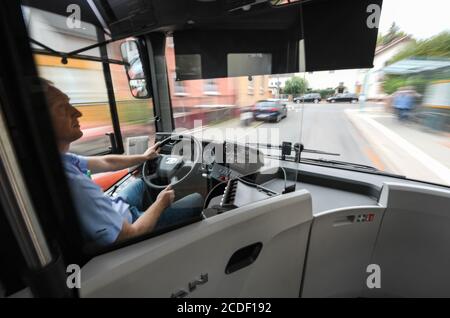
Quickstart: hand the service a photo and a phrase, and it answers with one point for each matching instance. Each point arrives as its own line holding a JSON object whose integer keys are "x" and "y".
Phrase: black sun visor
{"x": 243, "y": 37}
{"x": 307, "y": 36}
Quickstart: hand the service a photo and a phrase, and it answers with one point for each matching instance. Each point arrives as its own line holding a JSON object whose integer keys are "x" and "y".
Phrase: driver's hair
{"x": 48, "y": 88}
{"x": 45, "y": 84}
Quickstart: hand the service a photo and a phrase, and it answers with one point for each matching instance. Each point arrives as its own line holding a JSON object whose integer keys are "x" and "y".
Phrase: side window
{"x": 84, "y": 83}
{"x": 82, "y": 80}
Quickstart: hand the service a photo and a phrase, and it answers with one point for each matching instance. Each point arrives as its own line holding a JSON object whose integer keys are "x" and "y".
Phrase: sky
{"x": 420, "y": 18}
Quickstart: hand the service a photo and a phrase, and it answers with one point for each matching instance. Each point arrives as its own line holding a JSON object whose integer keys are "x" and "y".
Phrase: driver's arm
{"x": 147, "y": 221}
{"x": 119, "y": 162}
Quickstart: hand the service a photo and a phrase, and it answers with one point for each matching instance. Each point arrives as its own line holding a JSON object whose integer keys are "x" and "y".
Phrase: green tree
{"x": 395, "y": 82}
{"x": 392, "y": 34}
{"x": 295, "y": 86}
{"x": 437, "y": 47}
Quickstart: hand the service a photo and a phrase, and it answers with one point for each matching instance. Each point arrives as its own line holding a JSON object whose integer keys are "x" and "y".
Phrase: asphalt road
{"x": 322, "y": 126}
{"x": 326, "y": 127}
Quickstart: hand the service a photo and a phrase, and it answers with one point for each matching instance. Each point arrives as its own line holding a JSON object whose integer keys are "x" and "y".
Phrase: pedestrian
{"x": 403, "y": 103}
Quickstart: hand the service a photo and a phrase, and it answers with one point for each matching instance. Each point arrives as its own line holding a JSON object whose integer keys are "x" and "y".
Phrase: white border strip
{"x": 441, "y": 171}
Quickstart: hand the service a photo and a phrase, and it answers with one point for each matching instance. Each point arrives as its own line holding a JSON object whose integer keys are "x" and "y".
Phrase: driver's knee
{"x": 196, "y": 201}
{"x": 192, "y": 203}
{"x": 186, "y": 209}
{"x": 189, "y": 206}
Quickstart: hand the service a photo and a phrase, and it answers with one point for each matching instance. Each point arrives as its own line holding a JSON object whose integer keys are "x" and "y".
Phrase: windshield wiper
{"x": 298, "y": 149}
{"x": 341, "y": 163}
{"x": 287, "y": 147}
{"x": 324, "y": 162}
{"x": 352, "y": 166}
{"x": 338, "y": 164}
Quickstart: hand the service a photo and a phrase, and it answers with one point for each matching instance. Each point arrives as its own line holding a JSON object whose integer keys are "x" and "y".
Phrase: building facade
{"x": 359, "y": 81}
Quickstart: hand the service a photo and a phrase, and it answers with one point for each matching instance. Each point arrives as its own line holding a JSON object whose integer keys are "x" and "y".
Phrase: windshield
{"x": 394, "y": 117}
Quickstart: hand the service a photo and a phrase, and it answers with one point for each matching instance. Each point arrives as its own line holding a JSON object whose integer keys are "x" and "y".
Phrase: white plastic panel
{"x": 340, "y": 249}
{"x": 163, "y": 265}
{"x": 413, "y": 248}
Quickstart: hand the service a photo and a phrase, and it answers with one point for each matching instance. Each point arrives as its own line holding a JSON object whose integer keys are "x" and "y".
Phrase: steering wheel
{"x": 158, "y": 173}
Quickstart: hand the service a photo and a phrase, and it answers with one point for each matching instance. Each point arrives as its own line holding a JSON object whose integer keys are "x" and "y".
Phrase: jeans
{"x": 402, "y": 113}
{"x": 137, "y": 196}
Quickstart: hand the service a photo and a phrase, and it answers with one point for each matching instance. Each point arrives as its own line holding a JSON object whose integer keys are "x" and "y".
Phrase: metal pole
{"x": 111, "y": 96}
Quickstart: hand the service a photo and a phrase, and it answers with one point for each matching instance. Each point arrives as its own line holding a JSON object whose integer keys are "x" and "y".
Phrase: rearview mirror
{"x": 139, "y": 88}
{"x": 134, "y": 68}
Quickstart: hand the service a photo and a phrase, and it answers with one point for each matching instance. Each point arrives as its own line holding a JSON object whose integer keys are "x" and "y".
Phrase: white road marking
{"x": 437, "y": 168}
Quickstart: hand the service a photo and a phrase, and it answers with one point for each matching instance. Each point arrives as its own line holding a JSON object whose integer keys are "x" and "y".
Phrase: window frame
{"x": 210, "y": 87}
{"x": 178, "y": 86}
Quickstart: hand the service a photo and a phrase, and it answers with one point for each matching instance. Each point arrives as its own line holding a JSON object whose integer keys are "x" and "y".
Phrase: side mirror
{"x": 134, "y": 68}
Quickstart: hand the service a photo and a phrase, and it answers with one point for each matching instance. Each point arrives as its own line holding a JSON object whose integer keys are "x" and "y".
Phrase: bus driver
{"x": 105, "y": 220}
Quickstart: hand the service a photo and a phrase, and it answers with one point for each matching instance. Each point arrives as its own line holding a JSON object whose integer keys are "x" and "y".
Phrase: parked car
{"x": 342, "y": 98}
{"x": 269, "y": 110}
{"x": 308, "y": 98}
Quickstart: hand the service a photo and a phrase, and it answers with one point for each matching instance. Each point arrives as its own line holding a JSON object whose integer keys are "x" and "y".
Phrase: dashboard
{"x": 330, "y": 187}
{"x": 222, "y": 161}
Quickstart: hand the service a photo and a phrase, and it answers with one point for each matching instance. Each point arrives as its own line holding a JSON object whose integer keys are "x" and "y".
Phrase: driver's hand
{"x": 166, "y": 196}
{"x": 152, "y": 152}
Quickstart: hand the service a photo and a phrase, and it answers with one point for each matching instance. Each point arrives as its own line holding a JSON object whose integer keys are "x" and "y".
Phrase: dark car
{"x": 308, "y": 98}
{"x": 269, "y": 110}
{"x": 343, "y": 98}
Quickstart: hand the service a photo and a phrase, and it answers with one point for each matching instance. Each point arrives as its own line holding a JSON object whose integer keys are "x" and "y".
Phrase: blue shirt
{"x": 101, "y": 217}
{"x": 403, "y": 101}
